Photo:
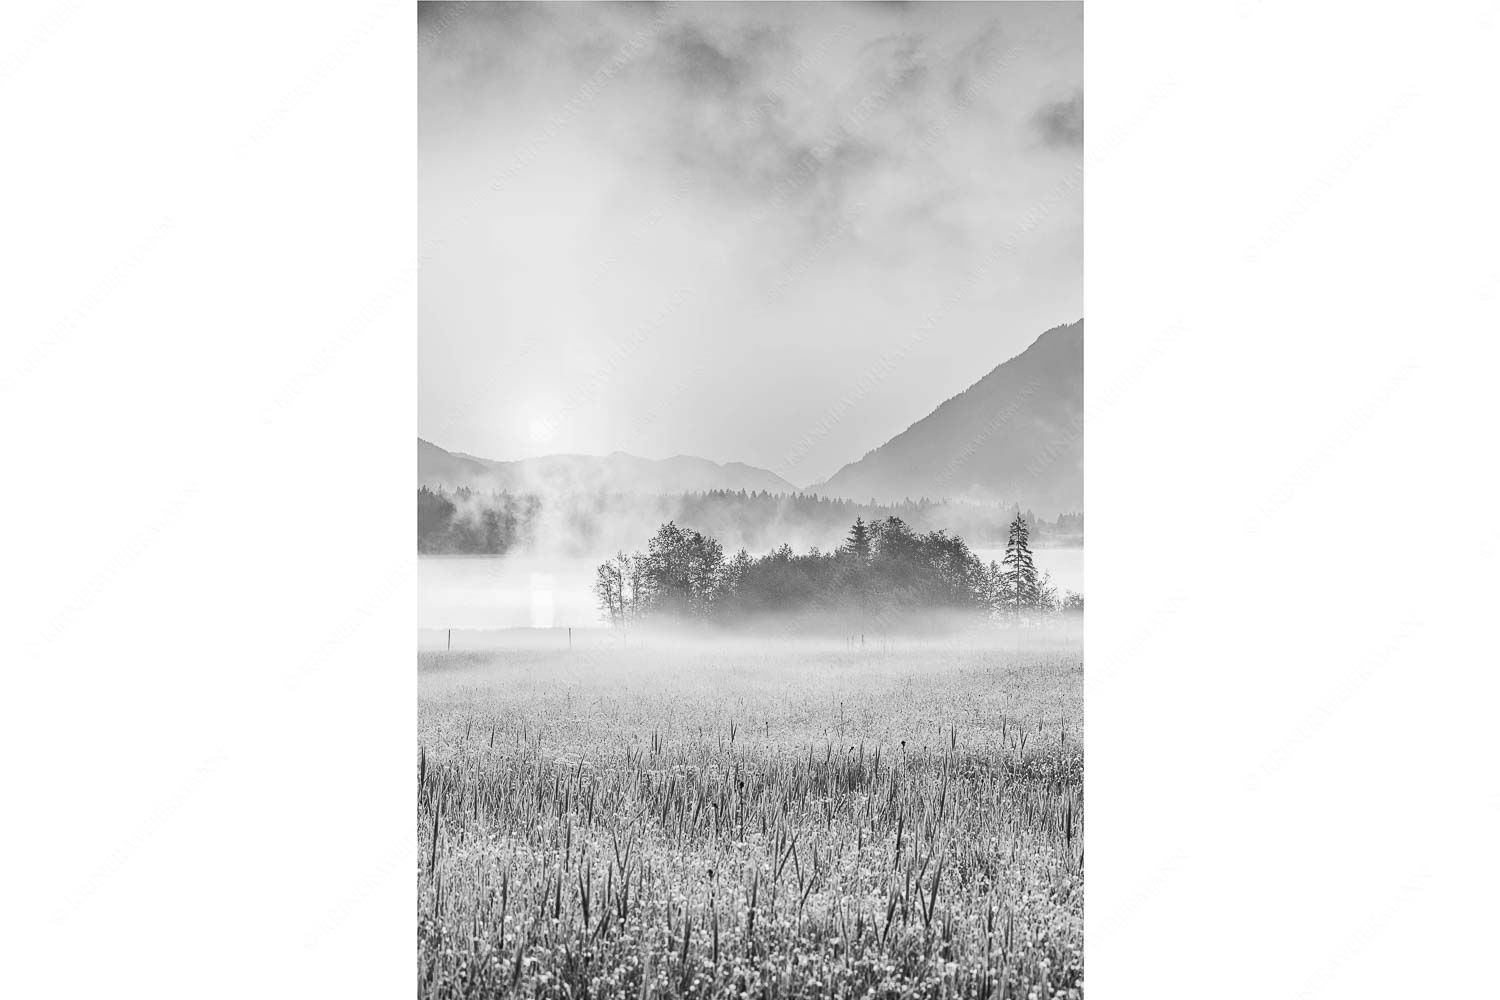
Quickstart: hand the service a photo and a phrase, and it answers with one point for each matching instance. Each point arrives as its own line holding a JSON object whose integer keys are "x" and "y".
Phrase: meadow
{"x": 798, "y": 819}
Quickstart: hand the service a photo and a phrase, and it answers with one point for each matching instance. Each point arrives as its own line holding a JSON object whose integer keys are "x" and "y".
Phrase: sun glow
{"x": 541, "y": 430}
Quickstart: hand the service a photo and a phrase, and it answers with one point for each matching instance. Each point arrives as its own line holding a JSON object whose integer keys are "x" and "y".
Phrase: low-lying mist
{"x": 784, "y": 633}
{"x": 566, "y": 523}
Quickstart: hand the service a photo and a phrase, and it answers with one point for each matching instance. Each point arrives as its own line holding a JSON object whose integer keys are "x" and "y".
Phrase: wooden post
{"x": 450, "y": 640}
{"x": 570, "y": 639}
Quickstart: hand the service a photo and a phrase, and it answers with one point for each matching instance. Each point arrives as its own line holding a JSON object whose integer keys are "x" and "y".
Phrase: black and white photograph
{"x": 750, "y": 515}
{"x": 758, "y": 436}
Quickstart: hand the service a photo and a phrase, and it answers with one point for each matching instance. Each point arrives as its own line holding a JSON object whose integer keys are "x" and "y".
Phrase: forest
{"x": 883, "y": 576}
{"x": 465, "y": 521}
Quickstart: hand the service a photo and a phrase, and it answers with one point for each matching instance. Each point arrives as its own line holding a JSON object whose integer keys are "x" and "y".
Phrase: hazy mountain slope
{"x": 434, "y": 465}
{"x": 1015, "y": 435}
{"x": 614, "y": 473}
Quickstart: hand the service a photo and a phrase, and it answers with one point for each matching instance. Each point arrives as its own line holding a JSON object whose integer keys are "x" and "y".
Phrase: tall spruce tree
{"x": 1019, "y": 590}
{"x": 859, "y": 538}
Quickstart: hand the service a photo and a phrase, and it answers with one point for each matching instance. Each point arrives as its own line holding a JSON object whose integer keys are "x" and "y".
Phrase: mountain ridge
{"x": 1013, "y": 436}
{"x": 618, "y": 472}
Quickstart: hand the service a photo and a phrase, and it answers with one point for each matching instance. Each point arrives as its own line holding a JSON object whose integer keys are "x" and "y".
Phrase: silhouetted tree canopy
{"x": 885, "y": 576}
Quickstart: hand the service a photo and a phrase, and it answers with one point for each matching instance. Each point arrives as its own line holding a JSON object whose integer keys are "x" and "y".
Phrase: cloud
{"x": 754, "y": 117}
{"x": 826, "y": 126}
{"x": 1060, "y": 123}
{"x": 720, "y": 187}
{"x": 705, "y": 67}
{"x": 814, "y": 116}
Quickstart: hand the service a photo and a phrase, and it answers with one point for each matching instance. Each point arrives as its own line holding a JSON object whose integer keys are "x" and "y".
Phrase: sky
{"x": 773, "y": 233}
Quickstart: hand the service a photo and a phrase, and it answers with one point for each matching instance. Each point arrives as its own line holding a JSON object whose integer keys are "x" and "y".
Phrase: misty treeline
{"x": 466, "y": 521}
{"x": 884, "y": 575}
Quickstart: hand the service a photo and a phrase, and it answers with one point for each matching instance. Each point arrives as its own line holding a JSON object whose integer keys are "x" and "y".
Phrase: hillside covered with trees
{"x": 884, "y": 576}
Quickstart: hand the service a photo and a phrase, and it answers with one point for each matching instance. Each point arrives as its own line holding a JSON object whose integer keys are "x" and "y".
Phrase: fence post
{"x": 450, "y": 640}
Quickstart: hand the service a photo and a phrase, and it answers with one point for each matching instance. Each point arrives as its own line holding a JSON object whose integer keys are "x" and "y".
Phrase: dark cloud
{"x": 755, "y": 114}
{"x": 1060, "y": 123}
{"x": 738, "y": 122}
{"x": 704, "y": 66}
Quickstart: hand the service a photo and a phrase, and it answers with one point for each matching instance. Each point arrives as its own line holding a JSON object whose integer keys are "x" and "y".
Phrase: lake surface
{"x": 524, "y": 591}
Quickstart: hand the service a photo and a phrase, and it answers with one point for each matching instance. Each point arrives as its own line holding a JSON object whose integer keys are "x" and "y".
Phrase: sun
{"x": 541, "y": 430}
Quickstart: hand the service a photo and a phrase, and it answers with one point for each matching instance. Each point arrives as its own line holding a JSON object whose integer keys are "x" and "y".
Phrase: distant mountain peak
{"x": 1014, "y": 436}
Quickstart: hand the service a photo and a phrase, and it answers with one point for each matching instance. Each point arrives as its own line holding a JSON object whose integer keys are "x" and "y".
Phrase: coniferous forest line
{"x": 471, "y": 522}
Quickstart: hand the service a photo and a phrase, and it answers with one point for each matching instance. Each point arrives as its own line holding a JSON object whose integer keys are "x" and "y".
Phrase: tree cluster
{"x": 883, "y": 576}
